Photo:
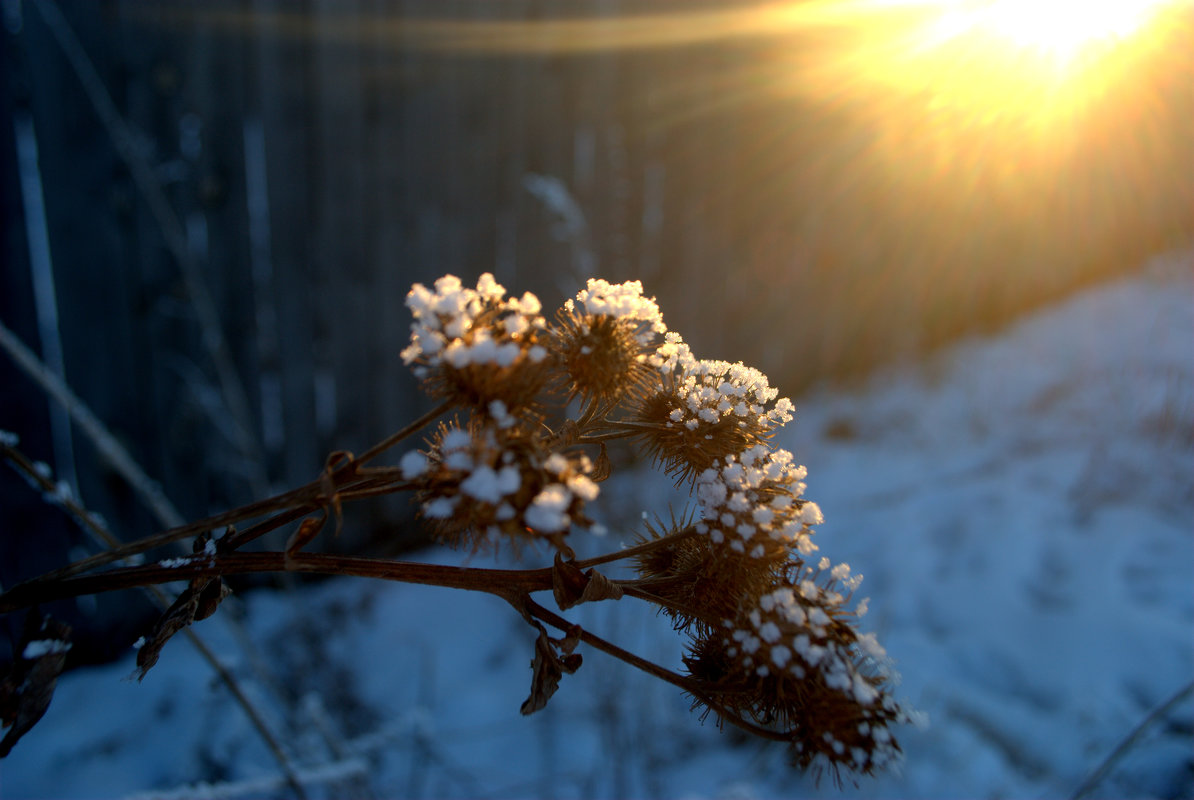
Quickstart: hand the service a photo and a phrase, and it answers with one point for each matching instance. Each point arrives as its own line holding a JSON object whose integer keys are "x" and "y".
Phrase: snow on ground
{"x": 1022, "y": 507}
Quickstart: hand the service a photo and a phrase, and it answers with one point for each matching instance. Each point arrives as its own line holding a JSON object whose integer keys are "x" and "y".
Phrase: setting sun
{"x": 1060, "y": 29}
{"x": 1022, "y": 66}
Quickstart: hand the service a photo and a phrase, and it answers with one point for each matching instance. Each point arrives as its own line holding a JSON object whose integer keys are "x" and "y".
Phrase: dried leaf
{"x": 603, "y": 467}
{"x": 308, "y": 529}
{"x": 566, "y": 436}
{"x": 335, "y": 461}
{"x": 549, "y": 666}
{"x": 567, "y": 583}
{"x": 210, "y": 596}
{"x": 599, "y": 587}
{"x": 27, "y": 685}
{"x": 572, "y": 587}
{"x": 197, "y": 602}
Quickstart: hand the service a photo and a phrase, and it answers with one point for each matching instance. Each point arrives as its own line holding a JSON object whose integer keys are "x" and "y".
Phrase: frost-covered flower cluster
{"x": 794, "y": 654}
{"x": 769, "y": 639}
{"x": 705, "y": 410}
{"x": 528, "y": 409}
{"x": 476, "y": 345}
{"x": 488, "y": 482}
{"x": 623, "y": 302}
{"x": 606, "y": 341}
{"x": 752, "y": 500}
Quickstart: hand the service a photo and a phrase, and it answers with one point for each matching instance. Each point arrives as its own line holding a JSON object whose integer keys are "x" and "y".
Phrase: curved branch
{"x": 695, "y": 688}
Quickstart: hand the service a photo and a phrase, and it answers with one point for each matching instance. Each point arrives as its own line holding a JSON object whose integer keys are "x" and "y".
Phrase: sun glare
{"x": 1059, "y": 28}
{"x": 1023, "y": 65}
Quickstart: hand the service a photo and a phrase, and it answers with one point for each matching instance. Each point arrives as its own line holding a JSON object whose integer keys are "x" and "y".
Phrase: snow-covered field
{"x": 1022, "y": 507}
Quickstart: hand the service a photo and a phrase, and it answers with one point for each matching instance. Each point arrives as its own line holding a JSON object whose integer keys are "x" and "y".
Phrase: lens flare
{"x": 1060, "y": 28}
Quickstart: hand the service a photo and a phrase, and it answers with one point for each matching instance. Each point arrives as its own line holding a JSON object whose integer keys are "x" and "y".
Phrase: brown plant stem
{"x": 107, "y": 445}
{"x": 637, "y": 550}
{"x": 92, "y": 525}
{"x": 409, "y": 430}
{"x": 494, "y": 581}
{"x": 638, "y": 590}
{"x": 349, "y": 481}
{"x": 291, "y": 505}
{"x": 609, "y": 648}
{"x": 693, "y": 687}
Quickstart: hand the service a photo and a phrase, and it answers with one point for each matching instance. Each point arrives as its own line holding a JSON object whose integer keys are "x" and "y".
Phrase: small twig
{"x": 393, "y": 439}
{"x": 287, "y": 507}
{"x": 693, "y": 687}
{"x": 104, "y": 538}
{"x": 1123, "y": 747}
{"x": 638, "y": 549}
{"x": 609, "y": 648}
{"x": 266, "y": 786}
{"x": 105, "y": 443}
{"x": 124, "y": 551}
{"x": 255, "y": 718}
{"x": 635, "y": 589}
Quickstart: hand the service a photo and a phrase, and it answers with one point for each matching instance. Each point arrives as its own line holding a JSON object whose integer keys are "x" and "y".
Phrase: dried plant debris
{"x": 553, "y": 658}
{"x": 27, "y": 684}
{"x": 197, "y": 602}
{"x": 571, "y": 586}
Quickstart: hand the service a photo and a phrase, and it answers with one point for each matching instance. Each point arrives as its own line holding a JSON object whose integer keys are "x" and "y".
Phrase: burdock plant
{"x": 515, "y": 454}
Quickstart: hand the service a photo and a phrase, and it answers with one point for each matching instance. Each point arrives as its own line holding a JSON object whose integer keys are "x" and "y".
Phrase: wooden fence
{"x": 232, "y": 240}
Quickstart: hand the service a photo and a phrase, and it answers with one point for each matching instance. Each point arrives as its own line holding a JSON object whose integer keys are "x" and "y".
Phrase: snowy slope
{"x": 1023, "y": 510}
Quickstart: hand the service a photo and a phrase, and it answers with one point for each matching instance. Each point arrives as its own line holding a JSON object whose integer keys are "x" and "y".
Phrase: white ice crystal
{"x": 445, "y": 329}
{"x": 709, "y": 391}
{"x": 413, "y": 464}
{"x": 548, "y": 511}
{"x": 583, "y": 487}
{"x": 44, "y": 647}
{"x": 484, "y": 484}
{"x": 439, "y": 508}
{"x": 501, "y": 414}
{"x": 754, "y": 494}
{"x": 622, "y": 301}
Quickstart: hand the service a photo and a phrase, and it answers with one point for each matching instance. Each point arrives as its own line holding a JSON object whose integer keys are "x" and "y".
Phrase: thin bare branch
{"x": 1158, "y": 713}
{"x": 412, "y": 428}
{"x": 105, "y": 443}
{"x": 631, "y": 552}
{"x": 693, "y": 687}
{"x": 104, "y": 538}
{"x": 127, "y": 147}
